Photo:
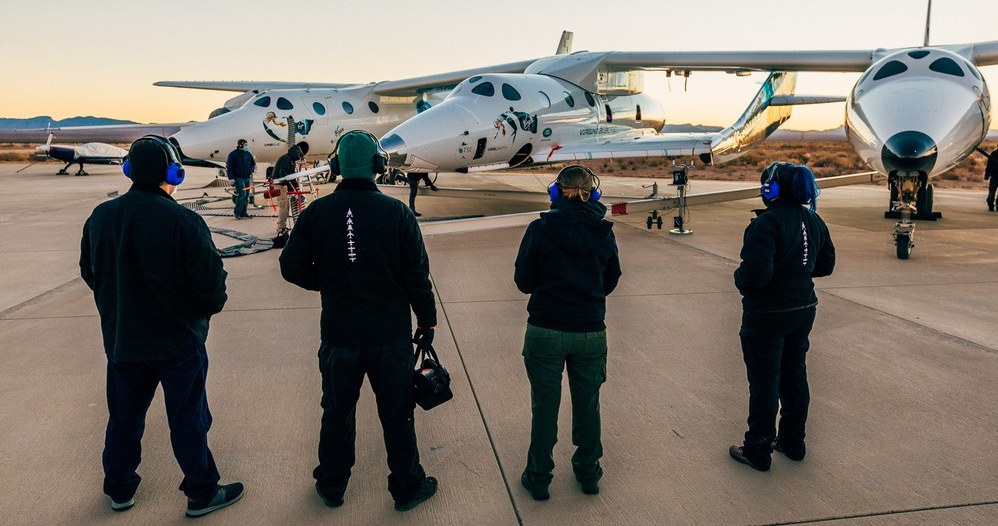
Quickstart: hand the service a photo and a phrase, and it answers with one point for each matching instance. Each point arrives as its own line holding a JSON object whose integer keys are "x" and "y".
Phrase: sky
{"x": 66, "y": 58}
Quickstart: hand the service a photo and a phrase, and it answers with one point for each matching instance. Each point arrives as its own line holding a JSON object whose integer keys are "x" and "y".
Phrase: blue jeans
{"x": 242, "y": 195}
{"x": 130, "y": 389}
{"x": 774, "y": 347}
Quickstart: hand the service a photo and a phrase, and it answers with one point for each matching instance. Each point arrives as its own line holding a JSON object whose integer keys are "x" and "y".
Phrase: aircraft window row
{"x": 284, "y": 104}
{"x": 318, "y": 108}
{"x": 569, "y": 100}
{"x": 485, "y": 90}
{"x": 590, "y": 100}
{"x": 263, "y": 102}
{"x": 890, "y": 69}
{"x": 947, "y": 66}
{"x": 545, "y": 99}
{"x": 347, "y": 107}
{"x": 474, "y": 79}
{"x": 373, "y": 106}
{"x": 510, "y": 93}
{"x": 918, "y": 53}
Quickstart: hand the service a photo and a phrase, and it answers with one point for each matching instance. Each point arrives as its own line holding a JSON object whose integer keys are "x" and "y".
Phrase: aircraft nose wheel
{"x": 904, "y": 239}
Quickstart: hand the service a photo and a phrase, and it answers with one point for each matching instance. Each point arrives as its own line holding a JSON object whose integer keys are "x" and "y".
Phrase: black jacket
{"x": 783, "y": 249}
{"x": 568, "y": 263}
{"x": 156, "y": 276}
{"x": 991, "y": 169}
{"x": 364, "y": 252}
{"x": 239, "y": 164}
{"x": 285, "y": 166}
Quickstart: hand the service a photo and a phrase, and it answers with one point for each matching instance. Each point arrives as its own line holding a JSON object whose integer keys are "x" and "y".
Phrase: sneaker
{"x": 426, "y": 490}
{"x": 122, "y": 506}
{"x": 332, "y": 502}
{"x": 537, "y": 491}
{"x": 795, "y": 452}
{"x": 226, "y": 495}
{"x": 738, "y": 453}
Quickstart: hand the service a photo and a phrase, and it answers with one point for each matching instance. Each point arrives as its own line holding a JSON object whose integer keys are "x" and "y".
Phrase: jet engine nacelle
{"x": 918, "y": 110}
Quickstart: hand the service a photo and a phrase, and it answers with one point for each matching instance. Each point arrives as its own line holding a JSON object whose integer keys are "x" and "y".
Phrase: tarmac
{"x": 903, "y": 365}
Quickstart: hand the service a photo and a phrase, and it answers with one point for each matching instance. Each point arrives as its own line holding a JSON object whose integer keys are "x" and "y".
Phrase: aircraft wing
{"x": 248, "y": 85}
{"x": 656, "y": 145}
{"x": 985, "y": 53}
{"x": 418, "y": 85}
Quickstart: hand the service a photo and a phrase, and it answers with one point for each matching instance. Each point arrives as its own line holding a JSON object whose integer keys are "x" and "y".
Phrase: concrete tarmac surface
{"x": 903, "y": 425}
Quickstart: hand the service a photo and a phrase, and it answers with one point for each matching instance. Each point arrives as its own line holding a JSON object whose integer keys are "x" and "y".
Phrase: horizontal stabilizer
{"x": 248, "y": 85}
{"x": 797, "y": 100}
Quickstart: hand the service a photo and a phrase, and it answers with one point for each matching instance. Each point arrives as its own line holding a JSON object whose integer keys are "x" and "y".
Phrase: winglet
{"x": 565, "y": 44}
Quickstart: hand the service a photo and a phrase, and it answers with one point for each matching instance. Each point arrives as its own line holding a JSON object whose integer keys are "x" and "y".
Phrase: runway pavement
{"x": 903, "y": 368}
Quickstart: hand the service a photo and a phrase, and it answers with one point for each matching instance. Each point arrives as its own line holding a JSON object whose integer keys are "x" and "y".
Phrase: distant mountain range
{"x": 42, "y": 122}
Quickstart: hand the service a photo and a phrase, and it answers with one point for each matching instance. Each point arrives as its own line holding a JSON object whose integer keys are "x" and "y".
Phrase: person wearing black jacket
{"x": 239, "y": 168}
{"x": 784, "y": 248}
{"x": 364, "y": 253}
{"x": 414, "y": 178}
{"x": 991, "y": 176}
{"x": 157, "y": 280}
{"x": 568, "y": 263}
{"x": 284, "y": 166}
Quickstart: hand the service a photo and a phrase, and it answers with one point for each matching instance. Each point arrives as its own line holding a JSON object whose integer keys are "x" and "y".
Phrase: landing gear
{"x": 909, "y": 192}
{"x": 654, "y": 219}
{"x": 902, "y": 240}
{"x": 81, "y": 171}
{"x": 64, "y": 169}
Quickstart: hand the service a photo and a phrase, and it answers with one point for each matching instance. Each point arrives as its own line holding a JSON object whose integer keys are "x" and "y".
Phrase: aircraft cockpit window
{"x": 947, "y": 66}
{"x": 510, "y": 93}
{"x": 318, "y": 108}
{"x": 590, "y": 100}
{"x": 918, "y": 53}
{"x": 569, "y": 100}
{"x": 890, "y": 69}
{"x": 347, "y": 107}
{"x": 474, "y": 79}
{"x": 545, "y": 99}
{"x": 485, "y": 90}
{"x": 973, "y": 71}
{"x": 263, "y": 102}
{"x": 284, "y": 104}
{"x": 373, "y": 106}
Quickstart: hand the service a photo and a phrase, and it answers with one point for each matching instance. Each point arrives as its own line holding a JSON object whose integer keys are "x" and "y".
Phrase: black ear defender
{"x": 379, "y": 163}
{"x": 555, "y": 188}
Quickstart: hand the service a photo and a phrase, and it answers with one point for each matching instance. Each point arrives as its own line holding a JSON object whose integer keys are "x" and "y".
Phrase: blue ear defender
{"x": 555, "y": 190}
{"x": 175, "y": 172}
{"x": 770, "y": 189}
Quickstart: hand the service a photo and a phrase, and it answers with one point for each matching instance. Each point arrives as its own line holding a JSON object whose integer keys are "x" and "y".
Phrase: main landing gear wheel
{"x": 904, "y": 245}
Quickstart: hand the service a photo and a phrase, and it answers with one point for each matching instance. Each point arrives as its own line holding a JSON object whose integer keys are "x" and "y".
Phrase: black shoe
{"x": 537, "y": 491}
{"x": 226, "y": 495}
{"x": 590, "y": 488}
{"x": 434, "y": 187}
{"x": 280, "y": 241}
{"x": 738, "y": 453}
{"x": 426, "y": 490}
{"x": 795, "y": 452}
{"x": 332, "y": 502}
{"x": 122, "y": 506}
{"x": 417, "y": 214}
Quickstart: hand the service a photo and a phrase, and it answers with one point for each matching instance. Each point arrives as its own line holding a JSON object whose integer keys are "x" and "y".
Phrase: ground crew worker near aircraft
{"x": 414, "y": 178}
{"x": 991, "y": 176}
{"x": 784, "y": 248}
{"x": 157, "y": 280}
{"x": 363, "y": 251}
{"x": 568, "y": 263}
{"x": 285, "y": 166}
{"x": 239, "y": 168}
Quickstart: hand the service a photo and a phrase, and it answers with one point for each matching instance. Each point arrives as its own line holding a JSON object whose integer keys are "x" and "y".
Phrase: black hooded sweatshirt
{"x": 568, "y": 263}
{"x": 783, "y": 249}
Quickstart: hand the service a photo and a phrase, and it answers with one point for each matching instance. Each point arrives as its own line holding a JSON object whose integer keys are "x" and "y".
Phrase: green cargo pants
{"x": 545, "y": 354}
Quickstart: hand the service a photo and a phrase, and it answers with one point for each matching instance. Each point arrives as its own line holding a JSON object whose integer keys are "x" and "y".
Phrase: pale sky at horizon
{"x": 68, "y": 58}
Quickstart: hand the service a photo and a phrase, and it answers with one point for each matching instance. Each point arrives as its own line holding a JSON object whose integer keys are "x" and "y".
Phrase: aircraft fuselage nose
{"x": 909, "y": 151}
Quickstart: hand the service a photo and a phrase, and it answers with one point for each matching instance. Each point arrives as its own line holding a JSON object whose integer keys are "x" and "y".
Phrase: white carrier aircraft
{"x": 914, "y": 114}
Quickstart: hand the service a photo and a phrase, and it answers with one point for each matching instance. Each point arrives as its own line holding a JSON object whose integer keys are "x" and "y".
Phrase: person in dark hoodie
{"x": 284, "y": 166}
{"x": 991, "y": 175}
{"x": 784, "y": 248}
{"x": 364, "y": 253}
{"x": 157, "y": 280}
{"x": 568, "y": 263}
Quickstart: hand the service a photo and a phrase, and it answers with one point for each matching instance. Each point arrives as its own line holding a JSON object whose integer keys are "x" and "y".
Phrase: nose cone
{"x": 429, "y": 141}
{"x": 909, "y": 151}
{"x": 396, "y": 149}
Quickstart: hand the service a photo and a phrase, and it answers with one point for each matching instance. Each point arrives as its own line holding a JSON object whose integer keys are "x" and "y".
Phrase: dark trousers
{"x": 992, "y": 189}
{"x": 774, "y": 346}
{"x": 242, "y": 195}
{"x": 414, "y": 179}
{"x": 130, "y": 389}
{"x": 389, "y": 368}
{"x": 546, "y": 353}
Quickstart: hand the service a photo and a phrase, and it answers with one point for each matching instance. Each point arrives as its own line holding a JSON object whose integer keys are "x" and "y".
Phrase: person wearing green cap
{"x": 364, "y": 253}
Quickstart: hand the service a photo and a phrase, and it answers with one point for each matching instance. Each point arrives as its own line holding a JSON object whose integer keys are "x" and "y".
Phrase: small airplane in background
{"x": 89, "y": 153}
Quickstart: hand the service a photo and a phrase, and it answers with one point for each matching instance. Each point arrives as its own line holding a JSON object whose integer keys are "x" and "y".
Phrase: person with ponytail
{"x": 568, "y": 263}
{"x": 784, "y": 247}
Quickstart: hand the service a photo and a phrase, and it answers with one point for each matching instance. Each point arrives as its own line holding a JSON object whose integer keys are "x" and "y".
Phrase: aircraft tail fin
{"x": 565, "y": 44}
{"x": 760, "y": 119}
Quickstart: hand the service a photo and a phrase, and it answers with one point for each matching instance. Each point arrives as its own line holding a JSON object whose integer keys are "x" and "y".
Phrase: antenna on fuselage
{"x": 928, "y": 18}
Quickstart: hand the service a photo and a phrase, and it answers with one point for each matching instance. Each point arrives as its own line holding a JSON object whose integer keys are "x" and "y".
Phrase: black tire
{"x": 904, "y": 247}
